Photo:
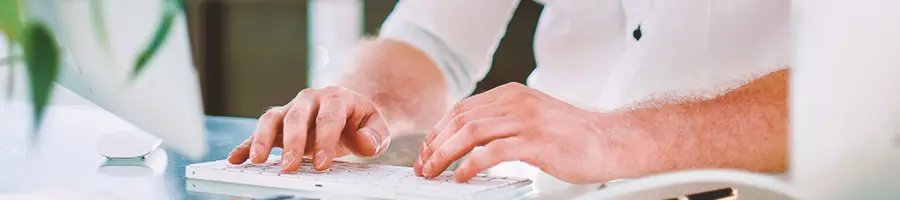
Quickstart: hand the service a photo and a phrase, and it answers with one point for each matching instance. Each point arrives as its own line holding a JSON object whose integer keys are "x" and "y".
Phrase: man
{"x": 703, "y": 85}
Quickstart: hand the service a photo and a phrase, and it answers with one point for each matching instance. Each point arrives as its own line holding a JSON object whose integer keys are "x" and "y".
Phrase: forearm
{"x": 401, "y": 80}
{"x": 744, "y": 129}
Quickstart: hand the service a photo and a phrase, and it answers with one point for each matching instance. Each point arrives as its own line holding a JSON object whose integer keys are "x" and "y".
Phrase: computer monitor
{"x": 164, "y": 99}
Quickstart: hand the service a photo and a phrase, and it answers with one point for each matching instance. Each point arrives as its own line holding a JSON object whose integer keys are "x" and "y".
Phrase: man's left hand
{"x": 516, "y": 123}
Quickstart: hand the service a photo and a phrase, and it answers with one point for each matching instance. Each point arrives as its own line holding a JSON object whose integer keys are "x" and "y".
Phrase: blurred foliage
{"x": 172, "y": 7}
{"x": 42, "y": 58}
{"x": 41, "y": 51}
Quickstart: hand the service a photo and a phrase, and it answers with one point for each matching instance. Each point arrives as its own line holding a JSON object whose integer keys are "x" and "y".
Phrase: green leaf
{"x": 180, "y": 4}
{"x": 98, "y": 20}
{"x": 42, "y": 58}
{"x": 10, "y": 19}
{"x": 159, "y": 37}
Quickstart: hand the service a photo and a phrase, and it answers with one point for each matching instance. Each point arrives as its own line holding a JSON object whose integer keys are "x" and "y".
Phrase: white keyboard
{"x": 364, "y": 180}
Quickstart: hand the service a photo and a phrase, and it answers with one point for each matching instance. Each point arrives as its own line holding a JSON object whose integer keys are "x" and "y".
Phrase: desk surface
{"x": 66, "y": 162}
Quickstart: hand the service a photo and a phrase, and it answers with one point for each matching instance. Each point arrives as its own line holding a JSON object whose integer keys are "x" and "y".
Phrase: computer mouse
{"x": 127, "y": 145}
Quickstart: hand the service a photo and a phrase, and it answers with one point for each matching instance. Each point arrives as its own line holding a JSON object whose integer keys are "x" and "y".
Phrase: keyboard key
{"x": 481, "y": 178}
{"x": 270, "y": 173}
{"x": 230, "y": 169}
{"x": 254, "y": 169}
{"x": 505, "y": 181}
{"x": 483, "y": 182}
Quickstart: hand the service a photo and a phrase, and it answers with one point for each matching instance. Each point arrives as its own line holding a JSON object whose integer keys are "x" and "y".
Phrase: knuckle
{"x": 305, "y": 93}
{"x": 439, "y": 155}
{"x": 260, "y": 143}
{"x": 431, "y": 149}
{"x": 526, "y": 97}
{"x": 331, "y": 96}
{"x": 271, "y": 114}
{"x": 512, "y": 85}
{"x": 326, "y": 118}
{"x": 471, "y": 129}
{"x": 495, "y": 147}
{"x": 458, "y": 122}
{"x": 293, "y": 116}
{"x": 332, "y": 88}
{"x": 276, "y": 109}
{"x": 458, "y": 109}
{"x": 431, "y": 135}
{"x": 498, "y": 149}
{"x": 520, "y": 122}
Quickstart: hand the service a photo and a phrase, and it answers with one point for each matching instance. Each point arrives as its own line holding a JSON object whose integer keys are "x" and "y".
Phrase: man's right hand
{"x": 322, "y": 123}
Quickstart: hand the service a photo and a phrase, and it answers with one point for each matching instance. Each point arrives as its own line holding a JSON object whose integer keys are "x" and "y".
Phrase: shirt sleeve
{"x": 460, "y": 36}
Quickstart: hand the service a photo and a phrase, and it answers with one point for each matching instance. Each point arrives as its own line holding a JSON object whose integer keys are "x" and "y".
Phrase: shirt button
{"x": 637, "y": 33}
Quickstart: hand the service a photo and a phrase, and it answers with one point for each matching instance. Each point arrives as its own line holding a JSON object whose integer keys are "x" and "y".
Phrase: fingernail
{"x": 422, "y": 151}
{"x": 287, "y": 160}
{"x": 457, "y": 174}
{"x": 373, "y": 139}
{"x": 254, "y": 152}
{"x": 375, "y": 143}
{"x": 427, "y": 169}
{"x": 320, "y": 158}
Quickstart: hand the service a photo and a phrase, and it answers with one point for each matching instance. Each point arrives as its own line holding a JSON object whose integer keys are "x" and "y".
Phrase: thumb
{"x": 371, "y": 139}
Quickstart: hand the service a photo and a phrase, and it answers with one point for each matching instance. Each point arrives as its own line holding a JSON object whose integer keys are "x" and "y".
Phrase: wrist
{"x": 632, "y": 150}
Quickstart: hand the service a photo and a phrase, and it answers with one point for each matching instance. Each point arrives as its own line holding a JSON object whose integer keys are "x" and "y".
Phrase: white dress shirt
{"x": 585, "y": 50}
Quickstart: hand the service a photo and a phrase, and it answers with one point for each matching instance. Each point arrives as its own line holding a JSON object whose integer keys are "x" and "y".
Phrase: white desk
{"x": 66, "y": 164}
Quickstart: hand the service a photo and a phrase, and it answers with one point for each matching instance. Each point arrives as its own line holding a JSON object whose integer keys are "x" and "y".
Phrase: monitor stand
{"x": 127, "y": 145}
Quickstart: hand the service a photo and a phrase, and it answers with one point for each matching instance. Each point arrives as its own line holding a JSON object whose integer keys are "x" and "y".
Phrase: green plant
{"x": 40, "y": 50}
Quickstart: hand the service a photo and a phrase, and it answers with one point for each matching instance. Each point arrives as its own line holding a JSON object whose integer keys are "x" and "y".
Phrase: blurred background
{"x": 252, "y": 54}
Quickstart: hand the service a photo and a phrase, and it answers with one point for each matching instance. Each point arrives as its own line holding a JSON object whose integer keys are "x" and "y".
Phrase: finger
{"x": 474, "y": 133}
{"x": 488, "y": 97}
{"x": 462, "y": 107}
{"x": 366, "y": 133}
{"x": 424, "y": 149}
{"x": 420, "y": 162}
{"x": 459, "y": 108}
{"x": 482, "y": 112}
{"x": 495, "y": 152}
{"x": 371, "y": 138}
{"x": 330, "y": 121}
{"x": 241, "y": 153}
{"x": 296, "y": 130}
{"x": 267, "y": 128}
